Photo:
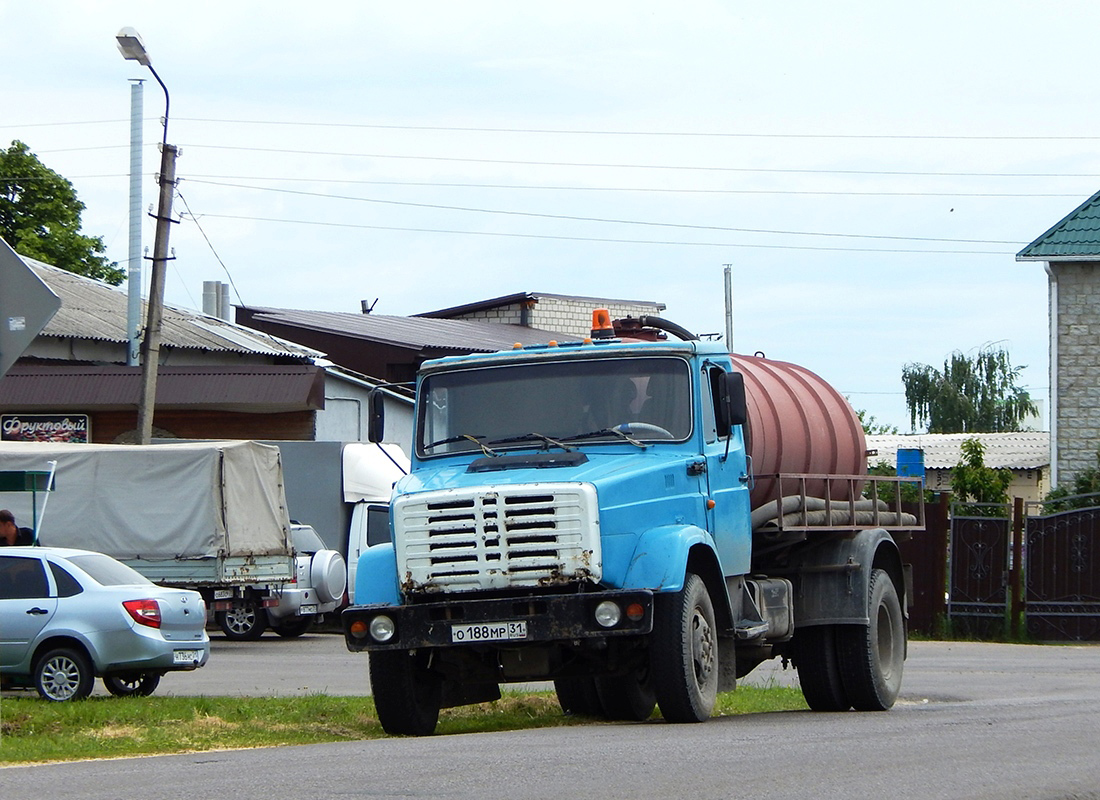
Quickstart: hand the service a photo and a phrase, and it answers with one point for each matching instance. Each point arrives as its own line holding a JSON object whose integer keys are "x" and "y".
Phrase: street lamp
{"x": 133, "y": 49}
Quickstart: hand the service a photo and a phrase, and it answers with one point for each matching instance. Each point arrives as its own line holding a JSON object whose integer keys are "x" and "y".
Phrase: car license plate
{"x": 465, "y": 633}
{"x": 186, "y": 656}
{"x": 308, "y": 608}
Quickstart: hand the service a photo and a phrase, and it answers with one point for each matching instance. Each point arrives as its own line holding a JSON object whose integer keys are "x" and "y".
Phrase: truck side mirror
{"x": 376, "y": 419}
{"x": 733, "y": 405}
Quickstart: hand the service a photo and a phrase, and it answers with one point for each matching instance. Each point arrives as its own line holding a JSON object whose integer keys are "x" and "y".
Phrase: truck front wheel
{"x": 872, "y": 656}
{"x": 627, "y": 697}
{"x": 579, "y": 696}
{"x": 407, "y": 696}
{"x": 684, "y": 653}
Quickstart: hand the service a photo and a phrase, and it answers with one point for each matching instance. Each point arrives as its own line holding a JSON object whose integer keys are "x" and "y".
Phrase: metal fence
{"x": 1005, "y": 569}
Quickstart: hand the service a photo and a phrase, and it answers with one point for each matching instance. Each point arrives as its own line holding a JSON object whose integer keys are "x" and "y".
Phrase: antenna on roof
{"x": 365, "y": 308}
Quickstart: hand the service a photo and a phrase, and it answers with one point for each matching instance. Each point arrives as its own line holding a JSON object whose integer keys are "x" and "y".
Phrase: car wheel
{"x": 292, "y": 628}
{"x": 243, "y": 623}
{"x": 63, "y": 674}
{"x": 132, "y": 684}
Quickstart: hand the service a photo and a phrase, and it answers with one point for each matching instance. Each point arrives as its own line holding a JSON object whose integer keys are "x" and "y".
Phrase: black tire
{"x": 684, "y": 653}
{"x": 292, "y": 628}
{"x": 578, "y": 696}
{"x": 407, "y": 696}
{"x": 627, "y": 697}
{"x": 819, "y": 671}
{"x": 63, "y": 674}
{"x": 872, "y": 657}
{"x": 132, "y": 684}
{"x": 245, "y": 622}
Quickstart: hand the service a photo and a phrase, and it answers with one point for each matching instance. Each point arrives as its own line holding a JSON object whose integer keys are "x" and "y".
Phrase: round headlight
{"x": 608, "y": 614}
{"x": 382, "y": 628}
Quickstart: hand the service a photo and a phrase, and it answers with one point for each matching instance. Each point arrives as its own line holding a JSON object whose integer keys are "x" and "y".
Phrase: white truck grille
{"x": 497, "y": 537}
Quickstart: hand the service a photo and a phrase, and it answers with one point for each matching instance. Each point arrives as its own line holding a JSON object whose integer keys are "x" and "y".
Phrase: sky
{"x": 867, "y": 170}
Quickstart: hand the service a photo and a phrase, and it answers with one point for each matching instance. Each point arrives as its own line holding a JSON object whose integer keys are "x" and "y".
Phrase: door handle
{"x": 37, "y": 610}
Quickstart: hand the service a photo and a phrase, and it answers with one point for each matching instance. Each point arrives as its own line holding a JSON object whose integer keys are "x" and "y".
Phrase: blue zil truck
{"x": 641, "y": 520}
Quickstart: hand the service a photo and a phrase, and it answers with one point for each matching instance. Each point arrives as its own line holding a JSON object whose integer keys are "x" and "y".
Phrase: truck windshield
{"x": 550, "y": 404}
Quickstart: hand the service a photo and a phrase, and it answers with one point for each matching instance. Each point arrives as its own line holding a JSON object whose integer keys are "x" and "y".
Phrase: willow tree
{"x": 970, "y": 395}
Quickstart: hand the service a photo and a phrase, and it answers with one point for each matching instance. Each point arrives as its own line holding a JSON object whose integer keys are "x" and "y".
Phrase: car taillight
{"x": 144, "y": 612}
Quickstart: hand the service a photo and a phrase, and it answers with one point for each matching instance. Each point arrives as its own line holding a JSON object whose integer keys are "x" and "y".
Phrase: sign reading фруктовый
{"x": 44, "y": 428}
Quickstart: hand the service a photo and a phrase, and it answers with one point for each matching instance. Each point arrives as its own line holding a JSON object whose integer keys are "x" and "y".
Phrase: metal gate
{"x": 978, "y": 569}
{"x": 1062, "y": 585}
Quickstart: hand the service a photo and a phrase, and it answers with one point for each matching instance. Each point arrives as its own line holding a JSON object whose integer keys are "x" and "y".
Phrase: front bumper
{"x": 548, "y": 618}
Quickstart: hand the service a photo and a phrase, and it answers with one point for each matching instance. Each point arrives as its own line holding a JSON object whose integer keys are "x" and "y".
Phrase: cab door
{"x": 727, "y": 478}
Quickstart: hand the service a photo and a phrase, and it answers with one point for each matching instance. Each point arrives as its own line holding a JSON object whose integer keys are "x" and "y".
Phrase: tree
{"x": 971, "y": 395}
{"x": 971, "y": 478}
{"x": 40, "y": 217}
{"x": 871, "y": 425}
{"x": 1084, "y": 492}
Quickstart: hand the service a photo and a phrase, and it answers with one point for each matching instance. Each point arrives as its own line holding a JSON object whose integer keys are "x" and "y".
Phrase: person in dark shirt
{"x": 12, "y": 534}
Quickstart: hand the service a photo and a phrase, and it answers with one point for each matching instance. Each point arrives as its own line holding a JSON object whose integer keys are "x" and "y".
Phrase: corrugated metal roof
{"x": 512, "y": 299}
{"x": 461, "y": 336}
{"x": 944, "y": 450}
{"x": 94, "y": 310}
{"x": 1075, "y": 237}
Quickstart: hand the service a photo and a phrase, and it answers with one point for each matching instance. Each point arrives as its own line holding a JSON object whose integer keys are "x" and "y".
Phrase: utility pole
{"x": 133, "y": 49}
{"x": 729, "y": 306}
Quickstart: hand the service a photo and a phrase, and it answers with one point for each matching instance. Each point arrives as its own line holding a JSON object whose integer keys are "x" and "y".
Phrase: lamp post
{"x": 132, "y": 49}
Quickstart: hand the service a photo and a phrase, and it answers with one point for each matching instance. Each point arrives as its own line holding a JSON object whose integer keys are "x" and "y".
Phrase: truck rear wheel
{"x": 872, "y": 656}
{"x": 684, "y": 653}
{"x": 627, "y": 697}
{"x": 407, "y": 696}
{"x": 819, "y": 669}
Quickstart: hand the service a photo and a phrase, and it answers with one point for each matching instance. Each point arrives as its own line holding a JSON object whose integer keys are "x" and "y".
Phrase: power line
{"x": 606, "y": 220}
{"x": 641, "y": 189}
{"x": 689, "y": 134}
{"x": 791, "y": 171}
{"x": 609, "y": 240}
{"x": 596, "y": 132}
{"x": 210, "y": 244}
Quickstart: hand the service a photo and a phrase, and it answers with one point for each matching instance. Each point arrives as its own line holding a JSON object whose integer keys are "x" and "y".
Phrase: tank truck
{"x": 641, "y": 520}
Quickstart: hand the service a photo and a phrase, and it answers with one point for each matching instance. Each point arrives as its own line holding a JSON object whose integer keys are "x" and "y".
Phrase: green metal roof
{"x": 1075, "y": 238}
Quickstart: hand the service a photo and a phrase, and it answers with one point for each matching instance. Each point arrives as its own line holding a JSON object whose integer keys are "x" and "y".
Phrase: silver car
{"x": 68, "y": 616}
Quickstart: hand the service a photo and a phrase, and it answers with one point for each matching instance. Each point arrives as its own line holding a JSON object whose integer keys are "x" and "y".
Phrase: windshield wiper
{"x": 538, "y": 437}
{"x": 606, "y": 432}
{"x": 464, "y": 437}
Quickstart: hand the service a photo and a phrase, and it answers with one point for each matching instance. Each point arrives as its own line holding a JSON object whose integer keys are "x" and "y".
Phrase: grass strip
{"x": 35, "y": 731}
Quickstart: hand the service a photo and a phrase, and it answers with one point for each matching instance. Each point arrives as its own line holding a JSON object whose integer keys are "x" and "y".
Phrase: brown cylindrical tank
{"x": 798, "y": 423}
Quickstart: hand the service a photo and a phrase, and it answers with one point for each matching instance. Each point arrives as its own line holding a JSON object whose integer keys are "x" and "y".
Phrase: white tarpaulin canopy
{"x": 193, "y": 500}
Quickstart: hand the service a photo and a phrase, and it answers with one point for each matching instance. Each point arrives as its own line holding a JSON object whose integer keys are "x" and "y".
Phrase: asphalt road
{"x": 974, "y": 721}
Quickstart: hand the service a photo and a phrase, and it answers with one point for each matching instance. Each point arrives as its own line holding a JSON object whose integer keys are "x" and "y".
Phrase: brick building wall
{"x": 561, "y": 314}
{"x": 1076, "y": 365}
